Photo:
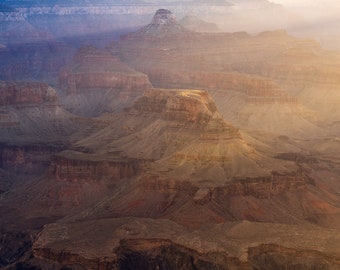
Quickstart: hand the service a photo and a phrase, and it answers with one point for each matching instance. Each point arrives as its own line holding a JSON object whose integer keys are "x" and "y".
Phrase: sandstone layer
{"x": 181, "y": 159}
{"x": 143, "y": 243}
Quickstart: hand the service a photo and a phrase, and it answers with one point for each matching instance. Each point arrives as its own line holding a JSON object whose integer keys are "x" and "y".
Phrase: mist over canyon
{"x": 168, "y": 135}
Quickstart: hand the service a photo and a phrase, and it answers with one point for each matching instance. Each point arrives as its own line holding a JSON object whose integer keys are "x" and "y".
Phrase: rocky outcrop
{"x": 16, "y": 94}
{"x": 157, "y": 253}
{"x": 183, "y": 106}
{"x": 150, "y": 244}
{"x": 163, "y": 23}
{"x": 172, "y": 120}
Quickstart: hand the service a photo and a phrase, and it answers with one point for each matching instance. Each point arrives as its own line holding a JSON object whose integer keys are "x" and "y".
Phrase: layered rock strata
{"x": 143, "y": 243}
{"x": 99, "y": 82}
{"x": 16, "y": 94}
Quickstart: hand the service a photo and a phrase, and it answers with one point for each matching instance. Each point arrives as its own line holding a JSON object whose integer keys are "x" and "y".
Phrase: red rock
{"x": 26, "y": 94}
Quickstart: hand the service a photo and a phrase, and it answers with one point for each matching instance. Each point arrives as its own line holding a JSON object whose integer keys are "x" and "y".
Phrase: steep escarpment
{"x": 171, "y": 120}
{"x": 64, "y": 167}
{"x": 184, "y": 106}
{"x": 255, "y": 89}
{"x": 99, "y": 82}
{"x": 29, "y": 112}
{"x": 33, "y": 129}
{"x": 144, "y": 243}
{"x": 247, "y": 101}
{"x": 12, "y": 94}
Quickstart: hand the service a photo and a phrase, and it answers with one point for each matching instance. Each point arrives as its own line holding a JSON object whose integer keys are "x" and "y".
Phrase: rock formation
{"x": 126, "y": 244}
{"x": 162, "y": 177}
{"x": 179, "y": 153}
{"x": 99, "y": 82}
{"x": 238, "y": 69}
{"x": 163, "y": 23}
{"x": 26, "y": 94}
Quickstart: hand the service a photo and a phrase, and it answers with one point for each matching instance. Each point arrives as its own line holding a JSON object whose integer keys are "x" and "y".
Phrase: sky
{"x": 313, "y": 10}
{"x": 296, "y": 3}
{"x": 309, "y": 4}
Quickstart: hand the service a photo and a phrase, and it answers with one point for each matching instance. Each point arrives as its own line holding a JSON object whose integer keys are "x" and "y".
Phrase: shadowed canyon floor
{"x": 174, "y": 149}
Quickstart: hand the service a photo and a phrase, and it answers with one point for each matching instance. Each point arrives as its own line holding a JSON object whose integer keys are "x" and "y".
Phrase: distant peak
{"x": 163, "y": 17}
{"x": 163, "y": 23}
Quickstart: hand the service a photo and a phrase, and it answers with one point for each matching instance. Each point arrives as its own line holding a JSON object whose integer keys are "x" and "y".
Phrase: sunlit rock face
{"x": 184, "y": 106}
{"x": 187, "y": 160}
{"x": 239, "y": 71}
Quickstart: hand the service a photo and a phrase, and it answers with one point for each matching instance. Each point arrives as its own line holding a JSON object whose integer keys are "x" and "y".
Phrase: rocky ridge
{"x": 140, "y": 243}
{"x": 233, "y": 69}
{"x": 186, "y": 157}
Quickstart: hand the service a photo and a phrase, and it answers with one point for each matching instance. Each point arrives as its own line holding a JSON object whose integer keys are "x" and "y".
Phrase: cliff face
{"x": 239, "y": 71}
{"x": 127, "y": 245}
{"x": 29, "y": 112}
{"x": 183, "y": 106}
{"x": 93, "y": 68}
{"x": 16, "y": 94}
{"x": 73, "y": 170}
{"x": 99, "y": 82}
{"x": 193, "y": 204}
{"x": 256, "y": 89}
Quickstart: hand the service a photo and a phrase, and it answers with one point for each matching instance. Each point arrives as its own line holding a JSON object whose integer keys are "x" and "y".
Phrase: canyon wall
{"x": 26, "y": 94}
{"x": 255, "y": 89}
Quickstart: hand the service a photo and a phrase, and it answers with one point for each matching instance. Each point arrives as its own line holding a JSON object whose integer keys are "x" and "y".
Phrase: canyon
{"x": 168, "y": 148}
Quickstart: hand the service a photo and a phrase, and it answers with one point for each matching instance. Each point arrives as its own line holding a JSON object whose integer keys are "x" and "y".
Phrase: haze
{"x": 169, "y": 135}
